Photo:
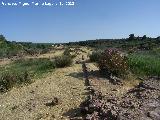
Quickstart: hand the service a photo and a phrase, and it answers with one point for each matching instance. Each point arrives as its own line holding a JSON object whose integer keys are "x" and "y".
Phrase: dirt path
{"x": 28, "y": 102}
{"x": 66, "y": 84}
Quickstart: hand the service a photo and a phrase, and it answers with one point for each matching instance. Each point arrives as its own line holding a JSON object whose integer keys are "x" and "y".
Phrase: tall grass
{"x": 33, "y": 66}
{"x": 144, "y": 64}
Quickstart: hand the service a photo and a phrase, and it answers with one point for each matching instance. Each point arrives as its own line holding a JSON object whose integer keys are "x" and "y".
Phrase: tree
{"x": 2, "y": 38}
{"x": 131, "y": 37}
{"x": 158, "y": 38}
{"x": 144, "y": 37}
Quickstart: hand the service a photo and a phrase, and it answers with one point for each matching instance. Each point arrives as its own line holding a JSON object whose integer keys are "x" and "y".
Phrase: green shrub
{"x": 9, "y": 49}
{"x": 9, "y": 79}
{"x": 22, "y": 71}
{"x": 67, "y": 52}
{"x": 112, "y": 62}
{"x": 63, "y": 61}
{"x": 94, "y": 57}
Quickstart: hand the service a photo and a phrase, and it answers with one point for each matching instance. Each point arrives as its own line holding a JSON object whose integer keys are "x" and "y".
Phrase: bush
{"x": 94, "y": 57}
{"x": 112, "y": 62}
{"x": 63, "y": 61}
{"x": 10, "y": 79}
{"x": 8, "y": 49}
{"x": 67, "y": 52}
{"x": 22, "y": 71}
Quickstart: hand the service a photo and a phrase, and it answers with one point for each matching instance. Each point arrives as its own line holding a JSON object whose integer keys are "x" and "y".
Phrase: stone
{"x": 53, "y": 102}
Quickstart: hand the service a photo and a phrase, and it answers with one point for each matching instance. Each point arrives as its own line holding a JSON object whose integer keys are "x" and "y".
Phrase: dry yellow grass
{"x": 27, "y": 102}
{"x": 51, "y": 54}
{"x": 67, "y": 84}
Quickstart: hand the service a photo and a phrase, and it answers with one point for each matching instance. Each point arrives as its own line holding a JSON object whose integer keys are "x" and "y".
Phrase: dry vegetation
{"x": 59, "y": 93}
{"x": 28, "y": 102}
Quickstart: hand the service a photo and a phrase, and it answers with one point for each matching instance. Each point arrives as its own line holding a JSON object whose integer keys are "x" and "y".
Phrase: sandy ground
{"x": 28, "y": 102}
{"x": 66, "y": 84}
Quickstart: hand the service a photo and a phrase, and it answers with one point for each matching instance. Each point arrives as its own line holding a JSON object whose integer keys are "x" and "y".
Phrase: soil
{"x": 60, "y": 94}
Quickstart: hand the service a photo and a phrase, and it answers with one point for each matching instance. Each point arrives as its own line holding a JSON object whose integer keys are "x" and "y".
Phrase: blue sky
{"x": 88, "y": 19}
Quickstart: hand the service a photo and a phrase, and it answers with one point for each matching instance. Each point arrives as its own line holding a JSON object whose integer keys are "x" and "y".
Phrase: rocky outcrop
{"x": 139, "y": 103}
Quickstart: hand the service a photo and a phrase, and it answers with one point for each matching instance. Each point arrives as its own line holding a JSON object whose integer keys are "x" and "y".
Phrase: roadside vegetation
{"x": 142, "y": 55}
{"x": 144, "y": 64}
{"x": 142, "y": 58}
{"x": 120, "y": 61}
{"x": 24, "y": 70}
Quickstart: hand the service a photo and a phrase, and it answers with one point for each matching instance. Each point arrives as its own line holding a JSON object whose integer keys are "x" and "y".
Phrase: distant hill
{"x": 125, "y": 43}
{"x": 10, "y": 49}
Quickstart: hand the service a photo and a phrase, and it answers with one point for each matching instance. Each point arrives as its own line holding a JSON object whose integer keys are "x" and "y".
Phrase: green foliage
{"x": 34, "y": 66}
{"x": 8, "y": 49}
{"x": 67, "y": 52}
{"x": 36, "y": 48}
{"x": 131, "y": 37}
{"x": 22, "y": 71}
{"x": 63, "y": 61}
{"x": 94, "y": 57}
{"x": 112, "y": 62}
{"x": 144, "y": 64}
{"x": 10, "y": 78}
{"x": 144, "y": 37}
{"x": 2, "y": 38}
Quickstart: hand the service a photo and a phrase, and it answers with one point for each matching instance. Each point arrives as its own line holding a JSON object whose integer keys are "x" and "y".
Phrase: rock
{"x": 32, "y": 91}
{"x": 154, "y": 115}
{"x": 115, "y": 80}
{"x": 111, "y": 115}
{"x": 53, "y": 102}
{"x": 14, "y": 107}
{"x": 114, "y": 90}
{"x": 112, "y": 100}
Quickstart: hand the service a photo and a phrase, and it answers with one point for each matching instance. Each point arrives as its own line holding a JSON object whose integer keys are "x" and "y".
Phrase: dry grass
{"x": 28, "y": 102}
{"x": 52, "y": 54}
{"x": 4, "y": 62}
{"x": 67, "y": 84}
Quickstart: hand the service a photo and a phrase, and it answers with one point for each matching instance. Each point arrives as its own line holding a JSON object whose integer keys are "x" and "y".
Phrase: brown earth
{"x": 59, "y": 94}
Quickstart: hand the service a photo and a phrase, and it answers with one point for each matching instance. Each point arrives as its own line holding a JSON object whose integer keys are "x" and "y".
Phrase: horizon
{"x": 78, "y": 41}
{"x": 62, "y": 24}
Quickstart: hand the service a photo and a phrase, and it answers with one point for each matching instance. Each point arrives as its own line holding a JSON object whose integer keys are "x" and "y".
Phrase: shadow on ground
{"x": 73, "y": 113}
{"x": 91, "y": 74}
{"x": 78, "y": 75}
